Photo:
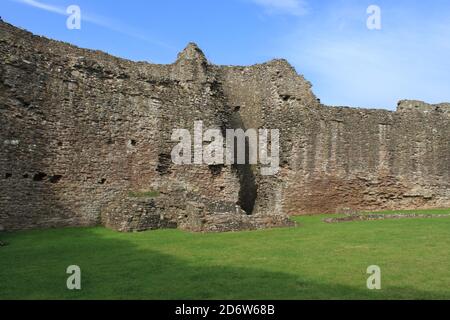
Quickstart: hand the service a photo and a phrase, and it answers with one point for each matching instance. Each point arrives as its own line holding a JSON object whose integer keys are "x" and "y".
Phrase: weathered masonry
{"x": 85, "y": 139}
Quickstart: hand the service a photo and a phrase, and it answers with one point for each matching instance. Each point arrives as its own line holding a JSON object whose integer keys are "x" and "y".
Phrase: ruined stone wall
{"x": 86, "y": 137}
{"x": 370, "y": 160}
{"x": 80, "y": 130}
{"x": 334, "y": 158}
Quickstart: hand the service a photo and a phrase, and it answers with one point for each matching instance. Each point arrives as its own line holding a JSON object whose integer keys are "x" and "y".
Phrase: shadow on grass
{"x": 33, "y": 266}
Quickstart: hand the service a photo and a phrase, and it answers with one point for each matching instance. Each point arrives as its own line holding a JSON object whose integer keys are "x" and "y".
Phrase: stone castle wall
{"x": 85, "y": 140}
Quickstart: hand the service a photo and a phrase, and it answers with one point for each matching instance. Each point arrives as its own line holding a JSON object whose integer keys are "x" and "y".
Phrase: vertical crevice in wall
{"x": 248, "y": 189}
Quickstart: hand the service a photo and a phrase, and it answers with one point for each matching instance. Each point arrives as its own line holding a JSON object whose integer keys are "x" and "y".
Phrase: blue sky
{"x": 325, "y": 40}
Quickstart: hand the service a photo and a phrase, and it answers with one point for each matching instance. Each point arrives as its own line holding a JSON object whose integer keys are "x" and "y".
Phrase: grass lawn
{"x": 313, "y": 261}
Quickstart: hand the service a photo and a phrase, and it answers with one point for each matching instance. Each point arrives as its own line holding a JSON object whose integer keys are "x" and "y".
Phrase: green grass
{"x": 313, "y": 261}
{"x": 143, "y": 194}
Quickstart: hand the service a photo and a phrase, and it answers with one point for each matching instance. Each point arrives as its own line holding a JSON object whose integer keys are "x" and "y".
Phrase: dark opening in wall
{"x": 237, "y": 108}
{"x": 55, "y": 178}
{"x": 248, "y": 189}
{"x": 164, "y": 163}
{"x": 102, "y": 181}
{"x": 133, "y": 142}
{"x": 8, "y": 175}
{"x": 39, "y": 176}
{"x": 60, "y": 144}
{"x": 25, "y": 176}
{"x": 216, "y": 169}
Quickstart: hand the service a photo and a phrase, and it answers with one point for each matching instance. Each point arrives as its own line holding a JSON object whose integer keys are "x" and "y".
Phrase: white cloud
{"x": 43, "y": 6}
{"x": 292, "y": 7}
{"x": 62, "y": 11}
{"x": 97, "y": 20}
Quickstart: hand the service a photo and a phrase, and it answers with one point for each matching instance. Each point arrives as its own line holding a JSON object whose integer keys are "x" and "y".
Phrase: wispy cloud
{"x": 291, "y": 7}
{"x": 97, "y": 20}
{"x": 350, "y": 65}
{"x": 43, "y": 6}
